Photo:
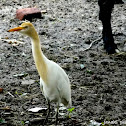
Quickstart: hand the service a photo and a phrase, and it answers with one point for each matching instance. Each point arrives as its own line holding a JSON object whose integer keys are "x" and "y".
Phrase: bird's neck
{"x": 39, "y": 58}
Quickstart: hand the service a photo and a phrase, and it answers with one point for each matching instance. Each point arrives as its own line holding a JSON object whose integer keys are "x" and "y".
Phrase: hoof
{"x": 111, "y": 49}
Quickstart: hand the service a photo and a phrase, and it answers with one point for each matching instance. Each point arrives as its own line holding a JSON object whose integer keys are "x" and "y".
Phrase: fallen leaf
{"x": 28, "y": 82}
{"x": 43, "y": 11}
{"x": 7, "y": 108}
{"x": 61, "y": 113}
{"x": 21, "y": 75}
{"x": 36, "y": 109}
{"x": 1, "y": 90}
{"x": 62, "y": 108}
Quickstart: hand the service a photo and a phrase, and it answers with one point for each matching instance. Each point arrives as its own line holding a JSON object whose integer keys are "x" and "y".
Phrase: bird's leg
{"x": 46, "y": 119}
{"x": 57, "y": 112}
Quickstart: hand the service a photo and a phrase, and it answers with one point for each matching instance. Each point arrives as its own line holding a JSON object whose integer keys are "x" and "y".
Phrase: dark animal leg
{"x": 46, "y": 119}
{"x": 106, "y": 7}
{"x": 119, "y": 2}
{"x": 57, "y": 113}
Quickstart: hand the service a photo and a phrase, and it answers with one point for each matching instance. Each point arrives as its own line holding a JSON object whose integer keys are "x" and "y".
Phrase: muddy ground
{"x": 68, "y": 27}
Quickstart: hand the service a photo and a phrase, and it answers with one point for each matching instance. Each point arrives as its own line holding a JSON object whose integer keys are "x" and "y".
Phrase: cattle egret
{"x": 54, "y": 82}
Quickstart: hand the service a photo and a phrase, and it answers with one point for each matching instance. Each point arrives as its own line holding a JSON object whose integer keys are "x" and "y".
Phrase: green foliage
{"x": 89, "y": 72}
{"x": 23, "y": 123}
{"x": 102, "y": 124}
{"x": 70, "y": 110}
{"x": 2, "y": 121}
{"x": 18, "y": 93}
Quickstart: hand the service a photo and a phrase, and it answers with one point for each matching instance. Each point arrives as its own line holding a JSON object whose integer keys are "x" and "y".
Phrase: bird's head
{"x": 26, "y": 28}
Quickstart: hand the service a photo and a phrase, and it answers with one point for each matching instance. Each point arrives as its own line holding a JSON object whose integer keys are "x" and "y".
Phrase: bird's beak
{"x": 16, "y": 29}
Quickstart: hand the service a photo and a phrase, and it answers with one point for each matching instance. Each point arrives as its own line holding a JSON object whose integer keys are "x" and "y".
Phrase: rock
{"x": 82, "y": 66}
{"x": 28, "y": 13}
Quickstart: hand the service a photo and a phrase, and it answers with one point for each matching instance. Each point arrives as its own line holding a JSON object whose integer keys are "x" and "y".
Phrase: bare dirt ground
{"x": 98, "y": 80}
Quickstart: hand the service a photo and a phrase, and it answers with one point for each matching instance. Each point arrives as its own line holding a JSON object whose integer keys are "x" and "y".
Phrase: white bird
{"x": 54, "y": 82}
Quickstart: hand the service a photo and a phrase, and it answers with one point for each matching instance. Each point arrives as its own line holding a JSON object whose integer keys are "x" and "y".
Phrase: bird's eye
{"x": 25, "y": 26}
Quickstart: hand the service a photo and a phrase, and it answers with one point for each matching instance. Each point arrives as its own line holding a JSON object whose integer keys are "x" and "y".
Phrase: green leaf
{"x": 102, "y": 123}
{"x": 71, "y": 109}
{"x": 89, "y": 72}
{"x": 18, "y": 93}
{"x": 23, "y": 123}
{"x": 2, "y": 121}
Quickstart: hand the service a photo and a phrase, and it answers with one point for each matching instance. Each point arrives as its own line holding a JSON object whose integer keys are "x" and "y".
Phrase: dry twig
{"x": 92, "y": 43}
